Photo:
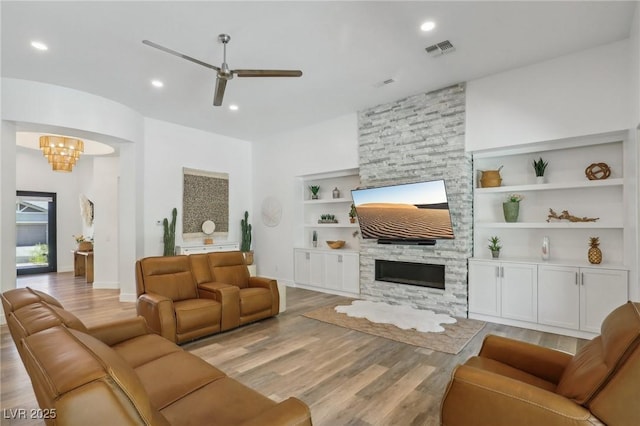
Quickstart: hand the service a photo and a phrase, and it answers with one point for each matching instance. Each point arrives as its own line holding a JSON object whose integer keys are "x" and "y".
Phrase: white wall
{"x": 7, "y": 207}
{"x": 104, "y": 194}
{"x": 169, "y": 148}
{"x": 323, "y": 147}
{"x": 634, "y": 136}
{"x": 579, "y": 94}
{"x": 33, "y": 173}
{"x": 635, "y": 67}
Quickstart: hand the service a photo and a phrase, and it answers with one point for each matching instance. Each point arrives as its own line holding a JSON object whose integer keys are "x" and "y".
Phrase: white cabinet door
{"x": 342, "y": 272}
{"x": 351, "y": 273}
{"x": 484, "y": 288}
{"x": 558, "y": 296}
{"x": 316, "y": 269}
{"x": 302, "y": 262}
{"x": 519, "y": 289}
{"x": 333, "y": 271}
{"x": 601, "y": 291}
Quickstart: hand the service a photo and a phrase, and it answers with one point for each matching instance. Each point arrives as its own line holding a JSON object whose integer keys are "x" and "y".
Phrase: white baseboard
{"x": 112, "y": 285}
{"x": 128, "y": 297}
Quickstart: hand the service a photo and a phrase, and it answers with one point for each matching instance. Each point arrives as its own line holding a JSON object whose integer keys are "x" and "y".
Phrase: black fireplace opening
{"x": 410, "y": 273}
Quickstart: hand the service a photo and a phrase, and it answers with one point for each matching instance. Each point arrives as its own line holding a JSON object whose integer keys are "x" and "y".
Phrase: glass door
{"x": 35, "y": 232}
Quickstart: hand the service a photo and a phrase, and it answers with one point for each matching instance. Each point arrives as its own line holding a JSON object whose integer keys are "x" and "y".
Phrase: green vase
{"x": 511, "y": 210}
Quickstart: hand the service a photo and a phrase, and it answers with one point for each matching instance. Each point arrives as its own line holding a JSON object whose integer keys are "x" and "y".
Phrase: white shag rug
{"x": 402, "y": 316}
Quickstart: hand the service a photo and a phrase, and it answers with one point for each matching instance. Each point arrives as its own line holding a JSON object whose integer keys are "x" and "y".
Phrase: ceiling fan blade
{"x": 268, "y": 73}
{"x": 221, "y": 83}
{"x": 180, "y": 55}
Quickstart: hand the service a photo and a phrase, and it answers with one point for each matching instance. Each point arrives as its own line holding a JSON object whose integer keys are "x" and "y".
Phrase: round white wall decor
{"x": 271, "y": 211}
{"x": 208, "y": 227}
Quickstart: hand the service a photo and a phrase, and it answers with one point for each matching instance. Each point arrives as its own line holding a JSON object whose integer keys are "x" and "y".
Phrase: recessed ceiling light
{"x": 157, "y": 83}
{"x": 39, "y": 45}
{"x": 428, "y": 26}
{"x": 233, "y": 107}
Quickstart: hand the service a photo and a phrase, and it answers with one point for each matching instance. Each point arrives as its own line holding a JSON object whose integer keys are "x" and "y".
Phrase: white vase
{"x": 546, "y": 248}
{"x": 540, "y": 179}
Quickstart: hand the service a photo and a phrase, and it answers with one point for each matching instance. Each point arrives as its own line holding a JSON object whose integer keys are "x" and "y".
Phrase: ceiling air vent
{"x": 440, "y": 48}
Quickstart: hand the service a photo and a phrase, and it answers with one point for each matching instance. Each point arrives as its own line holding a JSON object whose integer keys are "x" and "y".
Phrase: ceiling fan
{"x": 223, "y": 73}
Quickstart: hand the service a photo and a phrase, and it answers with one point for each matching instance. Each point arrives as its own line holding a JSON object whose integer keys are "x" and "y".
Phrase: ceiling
{"x": 345, "y": 49}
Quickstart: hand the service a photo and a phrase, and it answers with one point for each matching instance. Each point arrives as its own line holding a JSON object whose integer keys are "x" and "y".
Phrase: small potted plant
{"x": 352, "y": 214}
{"x": 314, "y": 191}
{"x": 314, "y": 239}
{"x": 539, "y": 166}
{"x": 511, "y": 207}
{"x": 495, "y": 246}
{"x": 84, "y": 243}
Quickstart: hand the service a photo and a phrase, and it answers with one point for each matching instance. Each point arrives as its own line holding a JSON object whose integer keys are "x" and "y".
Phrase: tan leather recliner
{"x": 168, "y": 299}
{"x": 258, "y": 297}
{"x": 517, "y": 383}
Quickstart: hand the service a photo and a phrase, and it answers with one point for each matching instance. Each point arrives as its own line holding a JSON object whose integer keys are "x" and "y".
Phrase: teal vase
{"x": 511, "y": 210}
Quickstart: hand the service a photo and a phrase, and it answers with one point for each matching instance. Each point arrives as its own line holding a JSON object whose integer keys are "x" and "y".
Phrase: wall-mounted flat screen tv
{"x": 409, "y": 213}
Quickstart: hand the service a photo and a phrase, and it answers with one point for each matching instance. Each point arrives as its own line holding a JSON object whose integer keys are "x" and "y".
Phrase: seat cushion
{"x": 143, "y": 349}
{"x": 193, "y": 314}
{"x": 174, "y": 376}
{"x": 254, "y": 300}
{"x": 592, "y": 367}
{"x": 232, "y": 402}
{"x": 497, "y": 367}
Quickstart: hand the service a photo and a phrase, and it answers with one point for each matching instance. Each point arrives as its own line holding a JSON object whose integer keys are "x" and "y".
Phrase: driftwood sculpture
{"x": 565, "y": 215}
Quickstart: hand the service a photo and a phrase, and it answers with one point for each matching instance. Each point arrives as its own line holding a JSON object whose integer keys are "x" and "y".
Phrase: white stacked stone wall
{"x": 416, "y": 139}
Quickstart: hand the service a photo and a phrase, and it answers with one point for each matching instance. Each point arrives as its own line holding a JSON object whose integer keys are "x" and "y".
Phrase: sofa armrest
{"x": 476, "y": 396}
{"x": 546, "y": 363}
{"x": 229, "y": 298}
{"x": 264, "y": 282}
{"x": 118, "y": 331}
{"x": 290, "y": 412}
{"x": 159, "y": 313}
{"x": 270, "y": 284}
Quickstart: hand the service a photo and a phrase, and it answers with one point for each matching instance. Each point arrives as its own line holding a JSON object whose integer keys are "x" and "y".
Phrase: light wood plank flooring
{"x": 346, "y": 377}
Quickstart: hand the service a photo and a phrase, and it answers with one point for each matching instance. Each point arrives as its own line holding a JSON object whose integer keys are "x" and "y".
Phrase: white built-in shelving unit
{"x": 564, "y": 294}
{"x": 322, "y": 268}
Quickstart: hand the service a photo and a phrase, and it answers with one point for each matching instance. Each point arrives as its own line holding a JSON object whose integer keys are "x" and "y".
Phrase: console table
{"x": 208, "y": 248}
{"x": 83, "y": 264}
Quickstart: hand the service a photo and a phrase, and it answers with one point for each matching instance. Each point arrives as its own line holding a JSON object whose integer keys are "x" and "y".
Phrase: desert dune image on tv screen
{"x": 408, "y": 212}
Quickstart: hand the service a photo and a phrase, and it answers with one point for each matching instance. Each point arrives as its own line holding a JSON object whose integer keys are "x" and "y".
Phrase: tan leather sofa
{"x": 187, "y": 297}
{"x": 517, "y": 383}
{"x": 123, "y": 374}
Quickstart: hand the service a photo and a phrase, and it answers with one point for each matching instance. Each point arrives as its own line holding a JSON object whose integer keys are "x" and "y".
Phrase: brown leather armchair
{"x": 257, "y": 297}
{"x": 168, "y": 299}
{"x": 512, "y": 382}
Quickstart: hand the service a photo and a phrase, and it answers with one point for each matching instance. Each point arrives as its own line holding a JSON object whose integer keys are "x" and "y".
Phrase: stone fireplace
{"x": 416, "y": 139}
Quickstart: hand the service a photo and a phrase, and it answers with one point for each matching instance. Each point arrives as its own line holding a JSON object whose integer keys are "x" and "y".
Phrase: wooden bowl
{"x": 335, "y": 244}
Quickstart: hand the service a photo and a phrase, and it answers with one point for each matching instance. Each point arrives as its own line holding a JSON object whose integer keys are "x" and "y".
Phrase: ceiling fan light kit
{"x": 223, "y": 72}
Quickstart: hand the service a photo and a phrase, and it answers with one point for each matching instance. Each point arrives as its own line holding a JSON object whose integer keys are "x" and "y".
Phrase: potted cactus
{"x": 245, "y": 244}
{"x": 169, "y": 237}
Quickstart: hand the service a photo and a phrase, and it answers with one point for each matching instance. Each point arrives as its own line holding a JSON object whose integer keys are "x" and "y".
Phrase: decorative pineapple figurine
{"x": 595, "y": 254}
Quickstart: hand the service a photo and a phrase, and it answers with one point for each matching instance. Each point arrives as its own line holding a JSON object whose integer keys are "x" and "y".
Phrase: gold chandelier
{"x": 61, "y": 152}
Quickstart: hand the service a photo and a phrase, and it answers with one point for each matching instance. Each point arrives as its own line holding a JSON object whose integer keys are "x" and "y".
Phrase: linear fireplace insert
{"x": 410, "y": 273}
